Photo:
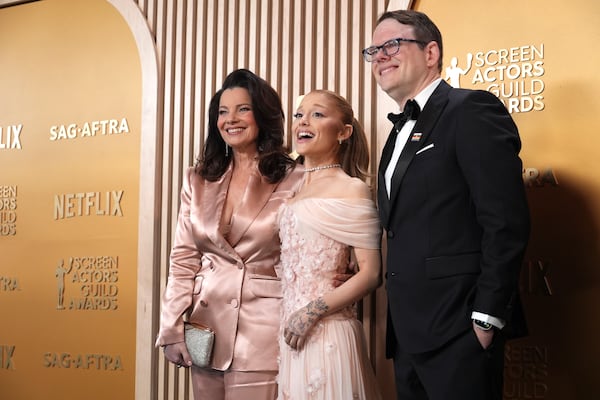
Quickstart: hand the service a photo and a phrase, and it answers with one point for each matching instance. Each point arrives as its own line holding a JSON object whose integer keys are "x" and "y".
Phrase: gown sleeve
{"x": 354, "y": 222}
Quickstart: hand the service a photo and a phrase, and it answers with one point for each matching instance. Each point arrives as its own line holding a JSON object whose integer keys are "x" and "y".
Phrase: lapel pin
{"x": 416, "y": 137}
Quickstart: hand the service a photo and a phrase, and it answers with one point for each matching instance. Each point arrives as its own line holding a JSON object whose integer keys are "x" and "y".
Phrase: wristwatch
{"x": 484, "y": 326}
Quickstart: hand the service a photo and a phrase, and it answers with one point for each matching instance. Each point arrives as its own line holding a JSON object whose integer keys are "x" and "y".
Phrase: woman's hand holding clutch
{"x": 178, "y": 354}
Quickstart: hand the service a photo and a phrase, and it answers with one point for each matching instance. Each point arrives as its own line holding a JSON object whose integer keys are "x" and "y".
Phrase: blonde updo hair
{"x": 353, "y": 153}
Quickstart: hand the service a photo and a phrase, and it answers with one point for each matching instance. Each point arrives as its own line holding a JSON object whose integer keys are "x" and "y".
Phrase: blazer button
{"x": 390, "y": 234}
{"x": 234, "y": 303}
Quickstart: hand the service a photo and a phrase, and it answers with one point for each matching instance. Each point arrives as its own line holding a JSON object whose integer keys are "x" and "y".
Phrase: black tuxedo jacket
{"x": 457, "y": 222}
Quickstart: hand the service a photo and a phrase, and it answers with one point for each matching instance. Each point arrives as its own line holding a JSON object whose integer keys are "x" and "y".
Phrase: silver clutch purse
{"x": 199, "y": 341}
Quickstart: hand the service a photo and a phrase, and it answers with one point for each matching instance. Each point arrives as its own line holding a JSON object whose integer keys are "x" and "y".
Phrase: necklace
{"x": 320, "y": 167}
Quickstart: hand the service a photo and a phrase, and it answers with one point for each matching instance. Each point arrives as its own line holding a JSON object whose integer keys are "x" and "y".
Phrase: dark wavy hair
{"x": 274, "y": 161}
{"x": 353, "y": 153}
{"x": 424, "y": 28}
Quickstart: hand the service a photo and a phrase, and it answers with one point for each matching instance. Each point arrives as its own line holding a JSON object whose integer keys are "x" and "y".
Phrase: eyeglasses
{"x": 390, "y": 48}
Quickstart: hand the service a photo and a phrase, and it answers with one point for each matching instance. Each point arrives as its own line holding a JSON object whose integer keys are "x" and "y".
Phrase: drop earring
{"x": 226, "y": 150}
{"x": 340, "y": 141}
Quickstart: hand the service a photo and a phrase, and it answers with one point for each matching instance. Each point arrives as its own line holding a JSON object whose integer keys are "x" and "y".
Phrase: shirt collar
{"x": 422, "y": 97}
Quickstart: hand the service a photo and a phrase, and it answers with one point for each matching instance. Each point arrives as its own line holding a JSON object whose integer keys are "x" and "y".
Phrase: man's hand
{"x": 340, "y": 278}
{"x": 484, "y": 337}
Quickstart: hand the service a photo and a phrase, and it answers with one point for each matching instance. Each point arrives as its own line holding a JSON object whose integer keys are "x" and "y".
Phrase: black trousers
{"x": 459, "y": 370}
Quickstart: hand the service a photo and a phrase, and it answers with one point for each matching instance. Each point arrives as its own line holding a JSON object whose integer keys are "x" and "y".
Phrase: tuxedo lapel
{"x": 382, "y": 196}
{"x": 418, "y": 137}
{"x": 387, "y": 151}
{"x": 383, "y": 202}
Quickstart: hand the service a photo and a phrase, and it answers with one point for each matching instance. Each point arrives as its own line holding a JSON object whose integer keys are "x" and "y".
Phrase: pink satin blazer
{"x": 228, "y": 284}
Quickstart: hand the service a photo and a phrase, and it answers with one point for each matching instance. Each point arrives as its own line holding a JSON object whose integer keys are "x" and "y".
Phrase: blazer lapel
{"x": 213, "y": 201}
{"x": 418, "y": 136}
{"x": 255, "y": 198}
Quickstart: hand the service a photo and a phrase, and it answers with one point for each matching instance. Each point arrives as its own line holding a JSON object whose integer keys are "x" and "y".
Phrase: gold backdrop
{"x": 69, "y": 162}
{"x": 539, "y": 57}
{"x": 70, "y": 144}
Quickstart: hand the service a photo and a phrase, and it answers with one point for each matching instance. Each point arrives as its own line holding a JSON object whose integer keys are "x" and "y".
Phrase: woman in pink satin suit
{"x": 226, "y": 244}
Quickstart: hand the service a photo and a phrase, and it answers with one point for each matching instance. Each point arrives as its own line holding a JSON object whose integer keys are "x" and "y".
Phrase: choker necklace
{"x": 320, "y": 167}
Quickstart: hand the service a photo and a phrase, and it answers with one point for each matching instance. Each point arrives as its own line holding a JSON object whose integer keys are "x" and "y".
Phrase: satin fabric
{"x": 217, "y": 385}
{"x": 228, "y": 284}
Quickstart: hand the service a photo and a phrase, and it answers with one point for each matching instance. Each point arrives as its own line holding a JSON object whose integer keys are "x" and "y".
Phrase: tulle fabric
{"x": 353, "y": 222}
{"x": 316, "y": 235}
{"x": 333, "y": 365}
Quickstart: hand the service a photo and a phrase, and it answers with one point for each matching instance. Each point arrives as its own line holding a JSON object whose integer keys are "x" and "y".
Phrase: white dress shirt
{"x": 402, "y": 137}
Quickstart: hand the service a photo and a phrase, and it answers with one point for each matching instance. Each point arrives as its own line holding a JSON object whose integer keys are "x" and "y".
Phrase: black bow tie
{"x": 411, "y": 111}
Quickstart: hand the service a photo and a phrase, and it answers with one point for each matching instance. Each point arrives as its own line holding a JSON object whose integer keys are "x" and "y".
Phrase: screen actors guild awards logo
{"x": 453, "y": 72}
{"x": 8, "y": 210}
{"x": 61, "y": 272}
{"x": 515, "y": 75}
{"x": 94, "y": 280}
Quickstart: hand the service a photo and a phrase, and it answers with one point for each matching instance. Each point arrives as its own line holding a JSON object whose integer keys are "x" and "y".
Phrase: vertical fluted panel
{"x": 295, "y": 45}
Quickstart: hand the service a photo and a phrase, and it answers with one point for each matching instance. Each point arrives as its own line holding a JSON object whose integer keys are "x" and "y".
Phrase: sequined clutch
{"x": 199, "y": 341}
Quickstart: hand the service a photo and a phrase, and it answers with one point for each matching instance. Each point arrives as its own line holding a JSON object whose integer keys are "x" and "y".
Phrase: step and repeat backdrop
{"x": 537, "y": 57}
{"x": 70, "y": 105}
{"x": 69, "y": 171}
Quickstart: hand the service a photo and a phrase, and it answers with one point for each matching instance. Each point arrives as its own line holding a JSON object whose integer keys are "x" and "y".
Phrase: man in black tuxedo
{"x": 452, "y": 201}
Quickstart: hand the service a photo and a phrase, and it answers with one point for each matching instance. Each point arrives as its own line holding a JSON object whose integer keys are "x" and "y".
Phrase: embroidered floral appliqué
{"x": 316, "y": 381}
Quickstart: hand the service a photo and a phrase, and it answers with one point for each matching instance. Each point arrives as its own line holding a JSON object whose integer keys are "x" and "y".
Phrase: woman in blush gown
{"x": 322, "y": 346}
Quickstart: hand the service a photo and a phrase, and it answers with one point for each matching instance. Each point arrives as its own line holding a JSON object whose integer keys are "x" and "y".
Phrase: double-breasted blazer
{"x": 228, "y": 284}
{"x": 456, "y": 222}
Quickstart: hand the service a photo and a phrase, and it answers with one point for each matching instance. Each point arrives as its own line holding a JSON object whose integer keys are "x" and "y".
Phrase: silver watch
{"x": 484, "y": 326}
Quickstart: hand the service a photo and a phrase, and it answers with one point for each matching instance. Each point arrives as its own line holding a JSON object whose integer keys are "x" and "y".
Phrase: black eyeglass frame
{"x": 370, "y": 52}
